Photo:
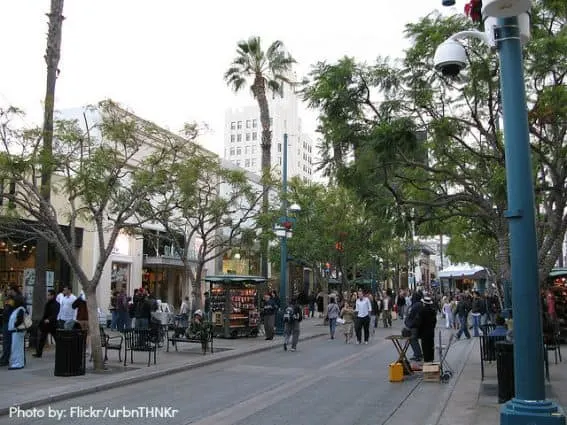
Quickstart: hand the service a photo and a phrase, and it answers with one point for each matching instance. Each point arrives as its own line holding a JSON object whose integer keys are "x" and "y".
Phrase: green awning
{"x": 559, "y": 271}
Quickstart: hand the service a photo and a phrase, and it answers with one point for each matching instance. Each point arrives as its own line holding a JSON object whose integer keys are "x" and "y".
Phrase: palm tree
{"x": 266, "y": 71}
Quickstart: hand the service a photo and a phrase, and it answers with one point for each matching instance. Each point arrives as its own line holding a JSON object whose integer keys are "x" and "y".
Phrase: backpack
{"x": 288, "y": 316}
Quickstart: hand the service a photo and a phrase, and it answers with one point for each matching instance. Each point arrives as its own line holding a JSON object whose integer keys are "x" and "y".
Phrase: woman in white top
{"x": 448, "y": 313}
{"x": 333, "y": 312}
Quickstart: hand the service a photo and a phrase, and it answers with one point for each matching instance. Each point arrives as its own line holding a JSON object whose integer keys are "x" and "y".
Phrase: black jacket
{"x": 428, "y": 321}
{"x": 50, "y": 312}
{"x": 463, "y": 308}
{"x": 413, "y": 319}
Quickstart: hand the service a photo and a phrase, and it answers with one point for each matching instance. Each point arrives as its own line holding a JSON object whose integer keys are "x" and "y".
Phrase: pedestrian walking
{"x": 463, "y": 309}
{"x": 373, "y": 313}
{"x": 387, "y": 309}
{"x": 269, "y": 316}
{"x": 333, "y": 312}
{"x": 48, "y": 324}
{"x": 347, "y": 313}
{"x": 363, "y": 309}
{"x": 448, "y": 313}
{"x": 292, "y": 319}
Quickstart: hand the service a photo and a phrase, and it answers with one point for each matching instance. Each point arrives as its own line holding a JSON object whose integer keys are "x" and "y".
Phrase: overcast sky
{"x": 165, "y": 59}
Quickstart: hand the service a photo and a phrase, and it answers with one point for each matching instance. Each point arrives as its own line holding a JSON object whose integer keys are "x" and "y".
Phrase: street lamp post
{"x": 529, "y": 407}
{"x": 284, "y": 232}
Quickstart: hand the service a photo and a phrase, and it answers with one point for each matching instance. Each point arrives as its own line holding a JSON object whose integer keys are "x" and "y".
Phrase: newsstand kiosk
{"x": 234, "y": 305}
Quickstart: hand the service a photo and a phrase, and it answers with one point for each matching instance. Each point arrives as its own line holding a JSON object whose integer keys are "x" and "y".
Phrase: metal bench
{"x": 142, "y": 340}
{"x": 111, "y": 343}
{"x": 179, "y": 335}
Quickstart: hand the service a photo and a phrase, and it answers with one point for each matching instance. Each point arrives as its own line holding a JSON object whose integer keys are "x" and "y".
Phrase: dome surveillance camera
{"x": 450, "y": 58}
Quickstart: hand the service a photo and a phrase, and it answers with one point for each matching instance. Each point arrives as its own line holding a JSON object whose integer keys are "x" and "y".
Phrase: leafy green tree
{"x": 103, "y": 179}
{"x": 265, "y": 71}
{"x": 206, "y": 203}
{"x": 435, "y": 143}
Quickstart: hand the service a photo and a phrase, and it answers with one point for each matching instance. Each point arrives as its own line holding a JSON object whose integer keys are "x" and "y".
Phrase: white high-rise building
{"x": 243, "y": 135}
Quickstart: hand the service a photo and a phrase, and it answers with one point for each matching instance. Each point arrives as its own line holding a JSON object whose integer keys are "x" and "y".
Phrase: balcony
{"x": 167, "y": 260}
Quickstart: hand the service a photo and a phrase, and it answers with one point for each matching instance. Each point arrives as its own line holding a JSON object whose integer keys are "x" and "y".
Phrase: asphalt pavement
{"x": 324, "y": 382}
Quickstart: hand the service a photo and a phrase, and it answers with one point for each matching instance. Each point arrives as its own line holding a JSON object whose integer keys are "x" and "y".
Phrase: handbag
{"x": 340, "y": 321}
{"x": 26, "y": 324}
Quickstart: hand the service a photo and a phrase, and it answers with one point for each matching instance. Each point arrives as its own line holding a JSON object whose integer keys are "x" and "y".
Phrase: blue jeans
{"x": 476, "y": 324}
{"x": 114, "y": 322}
{"x": 333, "y": 326}
{"x": 142, "y": 323}
{"x": 464, "y": 328}
{"x": 123, "y": 320}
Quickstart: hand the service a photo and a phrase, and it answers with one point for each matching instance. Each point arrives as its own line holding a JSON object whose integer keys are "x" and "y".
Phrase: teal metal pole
{"x": 283, "y": 244}
{"x": 529, "y": 407}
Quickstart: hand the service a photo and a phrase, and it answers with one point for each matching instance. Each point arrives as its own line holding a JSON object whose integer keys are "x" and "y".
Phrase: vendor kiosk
{"x": 234, "y": 305}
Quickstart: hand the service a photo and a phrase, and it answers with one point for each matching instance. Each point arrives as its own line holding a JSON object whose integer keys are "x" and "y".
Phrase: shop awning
{"x": 558, "y": 272}
{"x": 463, "y": 271}
{"x": 234, "y": 278}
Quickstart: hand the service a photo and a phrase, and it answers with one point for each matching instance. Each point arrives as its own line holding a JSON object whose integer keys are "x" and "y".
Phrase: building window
{"x": 232, "y": 138}
{"x": 238, "y": 163}
{"x": 254, "y": 136}
{"x": 233, "y": 125}
{"x": 253, "y": 162}
{"x": 238, "y": 151}
{"x": 247, "y": 137}
{"x": 246, "y": 163}
{"x": 231, "y": 151}
{"x": 279, "y": 160}
{"x": 279, "y": 147}
{"x": 247, "y": 123}
{"x": 239, "y": 125}
{"x": 253, "y": 150}
{"x": 246, "y": 150}
{"x": 254, "y": 123}
{"x": 120, "y": 277}
{"x": 239, "y": 137}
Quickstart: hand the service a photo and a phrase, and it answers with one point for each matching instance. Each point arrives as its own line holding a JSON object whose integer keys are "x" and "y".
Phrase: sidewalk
{"x": 473, "y": 401}
{"x": 35, "y": 385}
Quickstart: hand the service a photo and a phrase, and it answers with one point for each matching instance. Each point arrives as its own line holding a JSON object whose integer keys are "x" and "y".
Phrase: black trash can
{"x": 505, "y": 370}
{"x": 70, "y": 348}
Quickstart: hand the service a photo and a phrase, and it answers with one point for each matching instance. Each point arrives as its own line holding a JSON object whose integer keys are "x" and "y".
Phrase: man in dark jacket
{"x": 269, "y": 315}
{"x": 48, "y": 323}
{"x": 463, "y": 309}
{"x": 6, "y": 335}
{"x": 427, "y": 329}
{"x": 144, "y": 310}
{"x": 413, "y": 323}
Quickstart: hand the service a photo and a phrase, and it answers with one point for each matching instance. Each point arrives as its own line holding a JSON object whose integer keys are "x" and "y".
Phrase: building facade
{"x": 146, "y": 259}
{"x": 243, "y": 134}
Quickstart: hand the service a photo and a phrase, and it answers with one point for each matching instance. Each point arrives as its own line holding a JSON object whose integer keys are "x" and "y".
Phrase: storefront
{"x": 461, "y": 278}
{"x": 18, "y": 261}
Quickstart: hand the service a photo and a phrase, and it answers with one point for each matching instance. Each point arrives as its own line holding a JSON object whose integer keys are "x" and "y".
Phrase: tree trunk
{"x": 197, "y": 287}
{"x": 94, "y": 326}
{"x": 260, "y": 93}
{"x": 503, "y": 257}
{"x": 52, "y": 55}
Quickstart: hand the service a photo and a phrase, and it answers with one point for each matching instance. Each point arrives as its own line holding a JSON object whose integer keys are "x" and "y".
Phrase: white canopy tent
{"x": 463, "y": 271}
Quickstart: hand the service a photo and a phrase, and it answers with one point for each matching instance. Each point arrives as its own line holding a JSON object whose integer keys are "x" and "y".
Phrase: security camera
{"x": 450, "y": 58}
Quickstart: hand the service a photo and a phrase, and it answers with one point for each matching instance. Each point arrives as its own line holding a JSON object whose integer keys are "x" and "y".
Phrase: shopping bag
{"x": 340, "y": 321}
{"x": 394, "y": 315}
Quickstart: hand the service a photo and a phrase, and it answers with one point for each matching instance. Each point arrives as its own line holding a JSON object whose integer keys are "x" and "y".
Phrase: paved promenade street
{"x": 323, "y": 382}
